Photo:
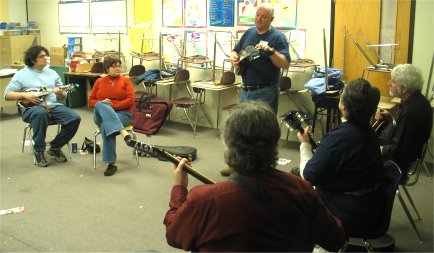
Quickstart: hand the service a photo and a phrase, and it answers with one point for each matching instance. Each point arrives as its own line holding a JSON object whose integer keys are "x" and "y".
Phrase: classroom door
{"x": 360, "y": 17}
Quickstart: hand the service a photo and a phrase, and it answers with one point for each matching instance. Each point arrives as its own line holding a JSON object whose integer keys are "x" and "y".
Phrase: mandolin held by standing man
{"x": 26, "y": 86}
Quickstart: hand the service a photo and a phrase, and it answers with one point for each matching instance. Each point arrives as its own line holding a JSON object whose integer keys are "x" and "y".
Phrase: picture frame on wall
{"x": 195, "y": 14}
{"x": 172, "y": 16}
{"x": 285, "y": 13}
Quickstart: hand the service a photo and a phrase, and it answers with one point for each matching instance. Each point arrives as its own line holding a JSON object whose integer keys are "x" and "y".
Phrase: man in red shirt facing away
{"x": 259, "y": 208}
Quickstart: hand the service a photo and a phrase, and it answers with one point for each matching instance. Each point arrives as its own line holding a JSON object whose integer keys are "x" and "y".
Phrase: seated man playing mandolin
{"x": 39, "y": 91}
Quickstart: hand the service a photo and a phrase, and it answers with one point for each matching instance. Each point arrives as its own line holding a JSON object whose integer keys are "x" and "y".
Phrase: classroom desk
{"x": 4, "y": 81}
{"x": 210, "y": 86}
{"x": 79, "y": 98}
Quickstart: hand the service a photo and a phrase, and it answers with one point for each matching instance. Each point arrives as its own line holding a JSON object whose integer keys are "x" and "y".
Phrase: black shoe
{"x": 57, "y": 154}
{"x": 130, "y": 141}
{"x": 295, "y": 171}
{"x": 111, "y": 170}
{"x": 41, "y": 161}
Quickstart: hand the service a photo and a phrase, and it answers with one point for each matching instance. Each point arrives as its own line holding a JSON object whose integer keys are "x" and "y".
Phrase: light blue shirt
{"x": 28, "y": 78}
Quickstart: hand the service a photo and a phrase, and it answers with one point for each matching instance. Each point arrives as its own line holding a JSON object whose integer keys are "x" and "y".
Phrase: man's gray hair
{"x": 251, "y": 136}
{"x": 408, "y": 75}
{"x": 267, "y": 6}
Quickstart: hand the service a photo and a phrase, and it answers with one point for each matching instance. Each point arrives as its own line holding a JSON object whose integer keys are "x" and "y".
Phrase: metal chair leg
{"x": 404, "y": 206}
{"x": 25, "y": 135}
{"x": 136, "y": 152}
{"x": 427, "y": 171}
{"x": 368, "y": 246}
{"x": 411, "y": 201}
{"x": 94, "y": 147}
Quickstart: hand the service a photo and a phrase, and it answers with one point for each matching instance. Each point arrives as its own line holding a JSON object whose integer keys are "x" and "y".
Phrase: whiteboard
{"x": 109, "y": 16}
{"x": 100, "y": 16}
{"x": 73, "y": 17}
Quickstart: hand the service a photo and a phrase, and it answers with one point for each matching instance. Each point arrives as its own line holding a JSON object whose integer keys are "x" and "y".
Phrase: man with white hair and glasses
{"x": 405, "y": 134}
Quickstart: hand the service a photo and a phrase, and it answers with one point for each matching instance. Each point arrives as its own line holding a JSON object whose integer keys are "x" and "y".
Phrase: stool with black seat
{"x": 376, "y": 238}
{"x": 327, "y": 104}
{"x": 128, "y": 128}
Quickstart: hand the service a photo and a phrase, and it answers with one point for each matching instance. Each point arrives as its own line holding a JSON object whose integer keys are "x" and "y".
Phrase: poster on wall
{"x": 195, "y": 13}
{"x": 196, "y": 43}
{"x": 172, "y": 13}
{"x": 224, "y": 45}
{"x": 297, "y": 43}
{"x": 285, "y": 12}
{"x": 221, "y": 13}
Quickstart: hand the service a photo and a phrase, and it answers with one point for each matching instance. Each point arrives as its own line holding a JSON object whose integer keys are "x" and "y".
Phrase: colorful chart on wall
{"x": 285, "y": 12}
{"x": 221, "y": 13}
{"x": 195, "y": 13}
{"x": 173, "y": 46}
{"x": 172, "y": 13}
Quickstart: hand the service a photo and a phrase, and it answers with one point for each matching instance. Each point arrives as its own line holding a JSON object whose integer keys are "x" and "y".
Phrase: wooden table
{"x": 81, "y": 78}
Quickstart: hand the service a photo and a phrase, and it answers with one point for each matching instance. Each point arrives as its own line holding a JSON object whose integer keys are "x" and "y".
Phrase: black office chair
{"x": 389, "y": 189}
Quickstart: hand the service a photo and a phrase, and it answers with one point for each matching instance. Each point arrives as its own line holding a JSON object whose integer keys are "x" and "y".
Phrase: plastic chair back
{"x": 285, "y": 83}
{"x": 227, "y": 78}
{"x": 137, "y": 70}
{"x": 97, "y": 67}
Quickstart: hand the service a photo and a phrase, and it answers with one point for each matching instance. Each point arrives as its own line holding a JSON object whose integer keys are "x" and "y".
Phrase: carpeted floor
{"x": 72, "y": 208}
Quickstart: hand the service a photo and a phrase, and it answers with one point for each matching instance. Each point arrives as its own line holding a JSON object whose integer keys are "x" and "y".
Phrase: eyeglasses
{"x": 116, "y": 66}
{"x": 262, "y": 17}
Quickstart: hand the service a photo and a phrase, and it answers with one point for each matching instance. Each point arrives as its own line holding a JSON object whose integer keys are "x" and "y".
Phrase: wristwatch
{"x": 271, "y": 52}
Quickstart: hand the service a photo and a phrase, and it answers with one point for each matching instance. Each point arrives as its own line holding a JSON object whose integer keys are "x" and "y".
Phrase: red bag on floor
{"x": 150, "y": 114}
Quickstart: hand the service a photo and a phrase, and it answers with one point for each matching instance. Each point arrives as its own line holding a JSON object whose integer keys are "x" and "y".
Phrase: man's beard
{"x": 398, "y": 93}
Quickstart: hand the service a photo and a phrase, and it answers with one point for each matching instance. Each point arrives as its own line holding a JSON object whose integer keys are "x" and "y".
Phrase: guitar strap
{"x": 45, "y": 105}
{"x": 269, "y": 201}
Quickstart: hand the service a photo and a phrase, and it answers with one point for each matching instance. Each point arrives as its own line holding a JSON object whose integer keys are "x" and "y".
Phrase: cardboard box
{"x": 58, "y": 55}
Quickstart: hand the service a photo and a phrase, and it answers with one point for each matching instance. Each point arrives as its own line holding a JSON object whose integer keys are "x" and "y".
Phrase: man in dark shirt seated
{"x": 258, "y": 208}
{"x": 347, "y": 167}
{"x": 404, "y": 135}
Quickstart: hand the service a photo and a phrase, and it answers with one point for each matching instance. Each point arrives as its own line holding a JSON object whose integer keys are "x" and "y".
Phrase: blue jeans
{"x": 111, "y": 122}
{"x": 39, "y": 119}
{"x": 269, "y": 95}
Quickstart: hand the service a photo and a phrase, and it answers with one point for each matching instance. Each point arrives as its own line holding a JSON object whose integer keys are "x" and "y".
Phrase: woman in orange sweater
{"x": 112, "y": 98}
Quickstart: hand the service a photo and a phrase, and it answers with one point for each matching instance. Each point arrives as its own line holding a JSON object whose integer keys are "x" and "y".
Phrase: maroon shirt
{"x": 225, "y": 217}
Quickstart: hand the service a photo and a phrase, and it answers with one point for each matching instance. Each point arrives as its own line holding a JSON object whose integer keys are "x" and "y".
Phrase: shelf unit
{"x": 12, "y": 49}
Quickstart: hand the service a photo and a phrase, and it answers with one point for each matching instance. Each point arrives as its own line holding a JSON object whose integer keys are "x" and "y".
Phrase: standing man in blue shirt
{"x": 41, "y": 110}
{"x": 261, "y": 74}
